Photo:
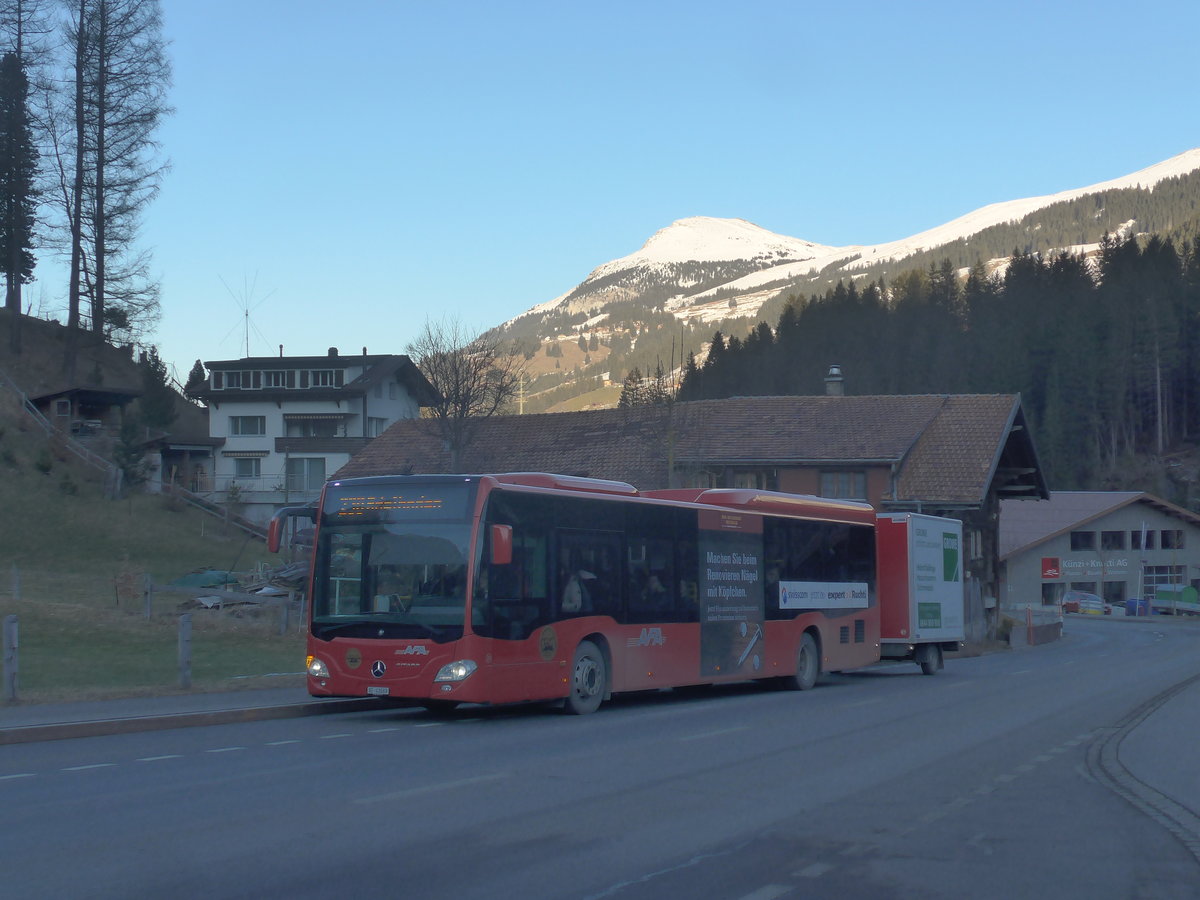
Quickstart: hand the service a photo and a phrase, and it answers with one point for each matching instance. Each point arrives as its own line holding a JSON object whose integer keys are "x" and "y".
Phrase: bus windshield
{"x": 398, "y": 571}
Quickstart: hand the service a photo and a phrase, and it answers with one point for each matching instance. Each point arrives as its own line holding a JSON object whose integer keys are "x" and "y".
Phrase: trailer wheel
{"x": 808, "y": 666}
{"x": 931, "y": 659}
{"x": 588, "y": 680}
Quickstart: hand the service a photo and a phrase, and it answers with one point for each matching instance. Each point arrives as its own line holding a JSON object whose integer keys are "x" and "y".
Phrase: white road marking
{"x": 330, "y": 737}
{"x": 382, "y": 730}
{"x": 281, "y": 743}
{"x": 157, "y": 758}
{"x": 707, "y": 734}
{"x": 767, "y": 892}
{"x": 816, "y": 870}
{"x": 18, "y": 775}
{"x": 92, "y": 766}
{"x": 224, "y": 749}
{"x": 432, "y": 788}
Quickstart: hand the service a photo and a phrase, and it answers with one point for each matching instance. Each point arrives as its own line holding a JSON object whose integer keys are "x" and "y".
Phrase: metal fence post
{"x": 185, "y": 650}
{"x": 10, "y": 658}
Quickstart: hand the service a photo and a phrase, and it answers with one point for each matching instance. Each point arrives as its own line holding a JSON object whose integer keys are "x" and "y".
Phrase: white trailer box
{"x": 920, "y": 587}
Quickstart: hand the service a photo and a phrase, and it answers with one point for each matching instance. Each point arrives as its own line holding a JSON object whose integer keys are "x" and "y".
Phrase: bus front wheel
{"x": 808, "y": 666}
{"x": 588, "y": 680}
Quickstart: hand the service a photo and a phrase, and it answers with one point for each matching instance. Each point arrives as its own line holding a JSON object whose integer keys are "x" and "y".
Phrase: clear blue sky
{"x": 348, "y": 169}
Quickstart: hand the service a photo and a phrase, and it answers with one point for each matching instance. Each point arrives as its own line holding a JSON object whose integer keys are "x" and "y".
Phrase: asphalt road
{"x": 1058, "y": 771}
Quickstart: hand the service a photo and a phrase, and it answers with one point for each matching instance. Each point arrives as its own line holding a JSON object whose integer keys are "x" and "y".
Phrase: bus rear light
{"x": 316, "y": 668}
{"x": 458, "y": 670}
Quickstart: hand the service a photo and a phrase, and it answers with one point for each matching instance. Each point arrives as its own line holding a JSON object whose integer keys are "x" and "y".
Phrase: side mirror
{"x": 278, "y": 523}
{"x": 502, "y": 545}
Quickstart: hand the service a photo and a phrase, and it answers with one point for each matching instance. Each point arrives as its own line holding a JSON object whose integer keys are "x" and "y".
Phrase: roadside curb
{"x": 24, "y": 734}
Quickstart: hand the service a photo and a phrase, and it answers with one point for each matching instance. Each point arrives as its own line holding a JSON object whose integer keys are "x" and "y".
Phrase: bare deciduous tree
{"x": 475, "y": 377}
{"x": 109, "y": 168}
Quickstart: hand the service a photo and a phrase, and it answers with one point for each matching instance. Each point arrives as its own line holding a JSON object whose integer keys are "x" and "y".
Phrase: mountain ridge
{"x": 704, "y": 273}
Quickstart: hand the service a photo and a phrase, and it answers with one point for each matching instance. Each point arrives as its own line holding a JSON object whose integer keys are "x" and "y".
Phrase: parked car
{"x": 1083, "y": 602}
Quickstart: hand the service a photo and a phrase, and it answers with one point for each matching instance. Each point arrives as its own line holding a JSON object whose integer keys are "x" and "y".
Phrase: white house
{"x": 283, "y": 424}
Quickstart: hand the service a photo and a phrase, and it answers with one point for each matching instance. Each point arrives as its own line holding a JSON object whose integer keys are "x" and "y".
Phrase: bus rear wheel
{"x": 808, "y": 666}
{"x": 588, "y": 680}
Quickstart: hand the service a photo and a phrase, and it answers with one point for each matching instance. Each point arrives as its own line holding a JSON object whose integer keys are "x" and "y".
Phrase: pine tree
{"x": 196, "y": 381}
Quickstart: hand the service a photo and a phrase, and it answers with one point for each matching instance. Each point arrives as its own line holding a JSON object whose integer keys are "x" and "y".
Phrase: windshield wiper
{"x": 326, "y": 629}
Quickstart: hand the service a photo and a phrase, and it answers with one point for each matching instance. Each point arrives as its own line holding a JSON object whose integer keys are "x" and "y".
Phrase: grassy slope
{"x": 77, "y": 562}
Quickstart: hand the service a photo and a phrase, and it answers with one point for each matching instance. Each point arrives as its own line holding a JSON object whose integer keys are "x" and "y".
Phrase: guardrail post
{"x": 148, "y": 592}
{"x": 185, "y": 650}
{"x": 10, "y": 658}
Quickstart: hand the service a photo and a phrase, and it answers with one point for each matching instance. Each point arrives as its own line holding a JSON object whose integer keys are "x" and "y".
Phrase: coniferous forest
{"x": 1104, "y": 350}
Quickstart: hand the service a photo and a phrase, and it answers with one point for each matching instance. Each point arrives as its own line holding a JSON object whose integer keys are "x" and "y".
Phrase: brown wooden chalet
{"x": 956, "y": 454}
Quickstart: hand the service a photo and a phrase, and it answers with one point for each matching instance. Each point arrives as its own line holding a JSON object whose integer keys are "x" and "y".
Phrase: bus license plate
{"x": 377, "y": 691}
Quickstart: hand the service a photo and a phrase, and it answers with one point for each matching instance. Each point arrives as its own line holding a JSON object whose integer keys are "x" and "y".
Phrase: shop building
{"x": 1119, "y": 545}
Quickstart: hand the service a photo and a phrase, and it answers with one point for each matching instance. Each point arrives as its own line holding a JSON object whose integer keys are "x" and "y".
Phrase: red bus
{"x": 535, "y": 587}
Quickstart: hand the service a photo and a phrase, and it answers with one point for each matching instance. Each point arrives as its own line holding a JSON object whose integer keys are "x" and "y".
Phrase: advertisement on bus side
{"x": 731, "y": 593}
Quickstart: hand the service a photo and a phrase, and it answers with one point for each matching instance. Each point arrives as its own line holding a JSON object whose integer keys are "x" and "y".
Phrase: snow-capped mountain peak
{"x": 713, "y": 240}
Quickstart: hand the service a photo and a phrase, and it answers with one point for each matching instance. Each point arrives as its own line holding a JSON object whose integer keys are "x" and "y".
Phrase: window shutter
{"x": 218, "y": 380}
{"x": 291, "y": 378}
{"x": 337, "y": 377}
{"x": 304, "y": 378}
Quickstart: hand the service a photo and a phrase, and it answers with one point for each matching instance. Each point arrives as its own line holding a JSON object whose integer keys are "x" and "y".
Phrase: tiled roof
{"x": 947, "y": 447}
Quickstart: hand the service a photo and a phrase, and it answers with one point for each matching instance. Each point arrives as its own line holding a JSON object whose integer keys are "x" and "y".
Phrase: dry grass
{"x": 73, "y": 567}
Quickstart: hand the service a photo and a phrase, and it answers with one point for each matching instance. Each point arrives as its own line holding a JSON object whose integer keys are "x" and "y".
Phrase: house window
{"x": 274, "y": 379}
{"x": 1112, "y": 540}
{"x": 321, "y": 378}
{"x": 848, "y": 485}
{"x": 1083, "y": 540}
{"x": 1135, "y": 540}
{"x": 240, "y": 379}
{"x": 1172, "y": 539}
{"x": 974, "y": 544}
{"x": 247, "y": 425}
{"x": 305, "y": 474}
{"x": 247, "y": 468}
{"x": 393, "y": 390}
{"x": 753, "y": 480}
{"x": 376, "y": 426}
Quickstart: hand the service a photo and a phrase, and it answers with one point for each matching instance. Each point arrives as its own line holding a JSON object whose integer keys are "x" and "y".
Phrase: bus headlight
{"x": 317, "y": 668}
{"x": 456, "y": 671}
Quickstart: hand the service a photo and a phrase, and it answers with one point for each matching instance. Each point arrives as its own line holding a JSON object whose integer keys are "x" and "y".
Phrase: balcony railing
{"x": 260, "y": 489}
